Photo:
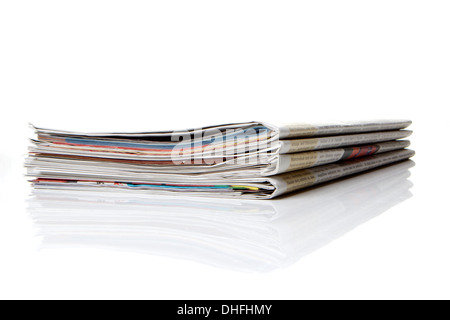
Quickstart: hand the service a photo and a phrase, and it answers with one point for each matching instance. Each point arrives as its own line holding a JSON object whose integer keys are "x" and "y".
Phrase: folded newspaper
{"x": 252, "y": 160}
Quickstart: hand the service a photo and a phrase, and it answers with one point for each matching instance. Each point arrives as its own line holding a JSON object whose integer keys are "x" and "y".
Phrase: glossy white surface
{"x": 105, "y": 65}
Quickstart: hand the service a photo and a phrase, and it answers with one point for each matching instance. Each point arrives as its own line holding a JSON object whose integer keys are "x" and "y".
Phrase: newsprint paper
{"x": 253, "y": 160}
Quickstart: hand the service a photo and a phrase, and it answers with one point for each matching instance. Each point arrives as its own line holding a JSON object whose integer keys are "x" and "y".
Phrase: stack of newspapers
{"x": 251, "y": 160}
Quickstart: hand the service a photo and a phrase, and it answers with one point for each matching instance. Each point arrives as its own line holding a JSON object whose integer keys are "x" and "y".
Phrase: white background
{"x": 133, "y": 65}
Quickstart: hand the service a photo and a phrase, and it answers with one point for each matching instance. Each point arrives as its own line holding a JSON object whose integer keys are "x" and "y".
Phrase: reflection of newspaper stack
{"x": 238, "y": 234}
{"x": 249, "y": 160}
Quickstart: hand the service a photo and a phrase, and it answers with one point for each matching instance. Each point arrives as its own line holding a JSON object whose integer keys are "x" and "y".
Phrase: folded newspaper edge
{"x": 249, "y": 165}
{"x": 303, "y": 160}
{"x": 320, "y": 143}
{"x": 282, "y": 131}
{"x": 296, "y": 180}
{"x": 255, "y": 188}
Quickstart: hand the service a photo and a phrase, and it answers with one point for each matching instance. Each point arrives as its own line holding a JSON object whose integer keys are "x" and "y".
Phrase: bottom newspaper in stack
{"x": 249, "y": 162}
{"x": 256, "y": 188}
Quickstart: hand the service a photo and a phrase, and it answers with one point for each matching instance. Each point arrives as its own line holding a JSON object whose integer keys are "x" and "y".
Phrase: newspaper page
{"x": 308, "y": 144}
{"x": 283, "y": 131}
{"x": 296, "y": 130}
{"x": 302, "y": 160}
